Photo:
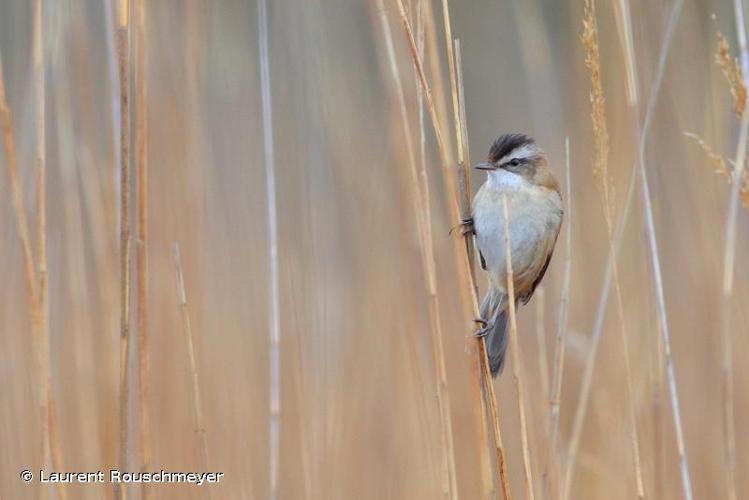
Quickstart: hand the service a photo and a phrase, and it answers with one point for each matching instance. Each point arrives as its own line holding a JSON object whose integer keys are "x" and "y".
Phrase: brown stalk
{"x": 543, "y": 369}
{"x": 468, "y": 281}
{"x": 141, "y": 270}
{"x": 515, "y": 351}
{"x": 480, "y": 406}
{"x": 123, "y": 58}
{"x": 738, "y": 90}
{"x": 22, "y": 227}
{"x": 195, "y": 379}
{"x": 731, "y": 69}
{"x": 274, "y": 331}
{"x": 48, "y": 409}
{"x": 434, "y": 63}
{"x": 600, "y": 172}
{"x": 418, "y": 186}
{"x": 558, "y": 367}
{"x": 642, "y": 134}
{"x": 719, "y": 166}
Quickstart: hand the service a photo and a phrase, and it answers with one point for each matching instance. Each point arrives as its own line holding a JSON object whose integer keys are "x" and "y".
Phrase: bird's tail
{"x": 494, "y": 312}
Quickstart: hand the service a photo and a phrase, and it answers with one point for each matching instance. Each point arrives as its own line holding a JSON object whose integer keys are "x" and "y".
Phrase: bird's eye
{"x": 514, "y": 162}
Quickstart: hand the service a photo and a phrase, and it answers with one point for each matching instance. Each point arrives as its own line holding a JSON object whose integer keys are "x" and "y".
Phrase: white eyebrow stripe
{"x": 523, "y": 153}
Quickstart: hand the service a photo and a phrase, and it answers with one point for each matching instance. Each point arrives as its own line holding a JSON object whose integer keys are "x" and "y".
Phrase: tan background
{"x": 359, "y": 416}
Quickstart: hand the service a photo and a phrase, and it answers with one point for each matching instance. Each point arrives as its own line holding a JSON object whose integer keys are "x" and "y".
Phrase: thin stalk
{"x": 195, "y": 379}
{"x": 48, "y": 409}
{"x": 729, "y": 257}
{"x": 453, "y": 80}
{"x": 600, "y": 170}
{"x": 653, "y": 246}
{"x": 558, "y": 367}
{"x": 515, "y": 351}
{"x": 480, "y": 406}
{"x": 467, "y": 278}
{"x": 123, "y": 57}
{"x": 275, "y": 300}
{"x": 424, "y": 84}
{"x": 423, "y": 224}
{"x": 463, "y": 174}
{"x": 543, "y": 369}
{"x": 597, "y": 330}
{"x": 587, "y": 378}
{"x": 141, "y": 270}
{"x": 22, "y": 227}
{"x": 624, "y": 24}
{"x": 434, "y": 62}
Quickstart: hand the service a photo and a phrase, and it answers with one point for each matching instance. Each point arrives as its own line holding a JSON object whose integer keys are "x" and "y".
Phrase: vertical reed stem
{"x": 142, "y": 277}
{"x": 480, "y": 406}
{"x": 558, "y": 370}
{"x": 515, "y": 350}
{"x": 35, "y": 314}
{"x": 275, "y": 303}
{"x": 558, "y": 367}
{"x": 422, "y": 212}
{"x": 653, "y": 246}
{"x": 197, "y": 401}
{"x": 460, "y": 206}
{"x": 48, "y": 410}
{"x": 601, "y": 171}
{"x": 729, "y": 256}
{"x": 123, "y": 57}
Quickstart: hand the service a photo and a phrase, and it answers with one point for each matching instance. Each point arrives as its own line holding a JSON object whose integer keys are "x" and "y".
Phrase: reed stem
{"x": 274, "y": 345}
{"x": 123, "y": 58}
{"x": 197, "y": 401}
{"x": 515, "y": 351}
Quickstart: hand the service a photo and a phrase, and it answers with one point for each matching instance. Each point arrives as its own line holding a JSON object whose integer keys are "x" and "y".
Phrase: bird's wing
{"x": 527, "y": 296}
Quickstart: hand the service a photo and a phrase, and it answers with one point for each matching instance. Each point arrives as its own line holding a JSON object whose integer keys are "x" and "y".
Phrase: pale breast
{"x": 535, "y": 216}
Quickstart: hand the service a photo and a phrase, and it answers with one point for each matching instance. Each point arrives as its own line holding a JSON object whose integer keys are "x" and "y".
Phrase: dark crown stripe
{"x": 507, "y": 143}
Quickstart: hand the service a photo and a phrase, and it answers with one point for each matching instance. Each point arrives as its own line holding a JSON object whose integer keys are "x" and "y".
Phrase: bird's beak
{"x": 485, "y": 166}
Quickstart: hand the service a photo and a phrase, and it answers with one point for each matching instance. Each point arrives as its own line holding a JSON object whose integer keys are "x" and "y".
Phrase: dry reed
{"x": 653, "y": 246}
{"x": 460, "y": 206}
{"x": 197, "y": 401}
{"x": 555, "y": 455}
{"x": 49, "y": 446}
{"x": 142, "y": 277}
{"x": 48, "y": 410}
{"x": 732, "y": 71}
{"x": 624, "y": 26}
{"x": 482, "y": 363}
{"x": 274, "y": 340}
{"x": 601, "y": 173}
{"x": 543, "y": 368}
{"x": 123, "y": 58}
{"x": 418, "y": 186}
{"x": 718, "y": 163}
{"x": 22, "y": 225}
{"x": 738, "y": 87}
{"x": 515, "y": 352}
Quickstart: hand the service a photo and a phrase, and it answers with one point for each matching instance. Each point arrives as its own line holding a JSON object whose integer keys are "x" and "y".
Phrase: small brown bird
{"x": 517, "y": 168}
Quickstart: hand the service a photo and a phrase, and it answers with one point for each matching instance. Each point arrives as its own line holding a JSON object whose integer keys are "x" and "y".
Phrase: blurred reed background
{"x": 358, "y": 413}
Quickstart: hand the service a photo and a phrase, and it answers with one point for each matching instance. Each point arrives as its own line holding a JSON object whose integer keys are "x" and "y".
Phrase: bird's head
{"x": 518, "y": 156}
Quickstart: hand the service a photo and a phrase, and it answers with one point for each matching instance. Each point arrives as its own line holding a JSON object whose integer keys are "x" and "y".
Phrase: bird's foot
{"x": 466, "y": 227}
{"x": 485, "y": 328}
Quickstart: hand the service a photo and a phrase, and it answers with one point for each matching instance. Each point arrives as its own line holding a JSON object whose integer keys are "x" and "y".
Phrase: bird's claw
{"x": 466, "y": 227}
{"x": 485, "y": 328}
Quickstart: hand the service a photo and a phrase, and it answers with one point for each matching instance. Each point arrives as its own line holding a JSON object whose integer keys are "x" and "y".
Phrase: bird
{"x": 518, "y": 170}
